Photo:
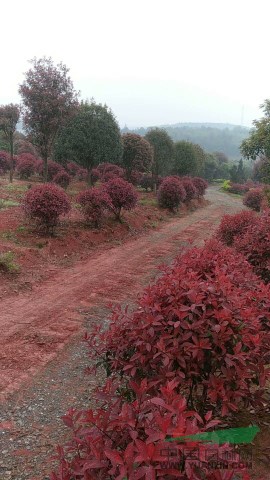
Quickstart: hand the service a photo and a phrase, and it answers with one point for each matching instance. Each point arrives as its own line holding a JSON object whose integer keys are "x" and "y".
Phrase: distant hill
{"x": 211, "y": 137}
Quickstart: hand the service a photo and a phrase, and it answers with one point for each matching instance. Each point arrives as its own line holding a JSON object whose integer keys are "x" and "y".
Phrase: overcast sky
{"x": 153, "y": 62}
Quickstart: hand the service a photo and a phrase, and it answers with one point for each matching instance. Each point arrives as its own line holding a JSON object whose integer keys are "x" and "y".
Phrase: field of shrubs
{"x": 193, "y": 357}
{"x": 194, "y": 352}
{"x": 46, "y": 226}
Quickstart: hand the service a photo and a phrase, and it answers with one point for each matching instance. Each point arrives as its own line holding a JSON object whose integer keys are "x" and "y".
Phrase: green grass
{"x": 11, "y": 187}
{"x": 9, "y": 235}
{"x": 149, "y": 201}
{"x": 7, "y": 263}
{"x": 8, "y": 203}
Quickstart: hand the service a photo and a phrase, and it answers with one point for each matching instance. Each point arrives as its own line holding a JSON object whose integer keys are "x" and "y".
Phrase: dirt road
{"x": 46, "y": 324}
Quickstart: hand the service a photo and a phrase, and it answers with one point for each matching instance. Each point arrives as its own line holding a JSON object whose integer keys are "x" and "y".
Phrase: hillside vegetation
{"x": 211, "y": 137}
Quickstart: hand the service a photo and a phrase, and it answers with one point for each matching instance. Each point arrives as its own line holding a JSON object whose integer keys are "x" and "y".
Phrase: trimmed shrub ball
{"x": 253, "y": 199}
{"x": 62, "y": 179}
{"x": 122, "y": 194}
{"x": 94, "y": 203}
{"x": 45, "y": 203}
{"x": 171, "y": 193}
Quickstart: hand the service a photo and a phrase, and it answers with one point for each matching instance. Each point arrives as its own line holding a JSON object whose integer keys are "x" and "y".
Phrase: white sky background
{"x": 153, "y": 62}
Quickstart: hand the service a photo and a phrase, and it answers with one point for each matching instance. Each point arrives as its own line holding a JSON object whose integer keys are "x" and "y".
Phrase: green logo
{"x": 219, "y": 437}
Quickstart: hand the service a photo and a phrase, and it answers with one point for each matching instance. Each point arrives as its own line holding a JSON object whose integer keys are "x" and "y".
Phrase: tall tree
{"x": 163, "y": 150}
{"x": 187, "y": 161}
{"x": 221, "y": 157}
{"x": 91, "y": 137}
{"x": 137, "y": 154}
{"x": 49, "y": 100}
{"x": 258, "y": 142}
{"x": 9, "y": 117}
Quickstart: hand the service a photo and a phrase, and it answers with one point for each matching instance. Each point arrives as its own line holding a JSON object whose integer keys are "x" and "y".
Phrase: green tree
{"x": 9, "y": 117}
{"x": 91, "y": 137}
{"x": 258, "y": 142}
{"x": 210, "y": 167}
{"x": 163, "y": 150}
{"x": 137, "y": 154}
{"x": 187, "y": 160}
{"x": 49, "y": 100}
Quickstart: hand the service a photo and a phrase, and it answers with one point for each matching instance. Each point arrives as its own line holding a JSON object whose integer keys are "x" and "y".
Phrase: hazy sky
{"x": 153, "y": 62}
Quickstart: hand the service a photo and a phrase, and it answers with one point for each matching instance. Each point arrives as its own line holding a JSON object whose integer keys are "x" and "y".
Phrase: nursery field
{"x": 44, "y": 361}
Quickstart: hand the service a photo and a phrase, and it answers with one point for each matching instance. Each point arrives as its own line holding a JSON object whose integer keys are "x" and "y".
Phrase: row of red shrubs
{"x": 193, "y": 350}
{"x": 47, "y": 202}
{"x": 249, "y": 234}
{"x": 255, "y": 194}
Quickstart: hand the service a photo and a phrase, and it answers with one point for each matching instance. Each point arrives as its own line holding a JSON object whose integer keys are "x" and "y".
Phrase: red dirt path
{"x": 38, "y": 327}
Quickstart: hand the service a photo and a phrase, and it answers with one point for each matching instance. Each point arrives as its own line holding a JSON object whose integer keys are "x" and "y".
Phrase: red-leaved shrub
{"x": 253, "y": 199}
{"x": 134, "y": 177}
{"x": 94, "y": 203}
{"x": 95, "y": 175}
{"x": 233, "y": 225}
{"x": 254, "y": 244}
{"x": 82, "y": 174}
{"x": 200, "y": 185}
{"x": 4, "y": 161}
{"x": 122, "y": 194}
{"x": 171, "y": 193}
{"x": 189, "y": 186}
{"x": 45, "y": 203}
{"x": 26, "y": 165}
{"x": 203, "y": 324}
{"x": 62, "y": 178}
{"x": 107, "y": 171}
{"x": 53, "y": 169}
{"x": 137, "y": 438}
{"x": 72, "y": 168}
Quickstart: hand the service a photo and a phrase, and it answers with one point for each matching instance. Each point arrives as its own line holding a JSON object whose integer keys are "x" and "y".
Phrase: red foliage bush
{"x": 62, "y": 179}
{"x": 95, "y": 176}
{"x": 189, "y": 186}
{"x": 45, "y": 203}
{"x": 82, "y": 174}
{"x": 200, "y": 185}
{"x": 4, "y": 161}
{"x": 253, "y": 199}
{"x": 53, "y": 169}
{"x": 72, "y": 168}
{"x": 233, "y": 225}
{"x": 239, "y": 188}
{"x": 134, "y": 177}
{"x": 122, "y": 194}
{"x": 94, "y": 202}
{"x": 107, "y": 171}
{"x": 201, "y": 324}
{"x": 254, "y": 244}
{"x": 26, "y": 165}
{"x": 171, "y": 193}
{"x": 129, "y": 439}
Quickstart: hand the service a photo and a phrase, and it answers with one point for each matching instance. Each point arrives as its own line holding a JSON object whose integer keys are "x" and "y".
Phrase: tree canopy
{"x": 137, "y": 154}
{"x": 49, "y": 100}
{"x": 91, "y": 137}
{"x": 258, "y": 142}
{"x": 163, "y": 150}
{"x": 9, "y": 117}
{"x": 189, "y": 159}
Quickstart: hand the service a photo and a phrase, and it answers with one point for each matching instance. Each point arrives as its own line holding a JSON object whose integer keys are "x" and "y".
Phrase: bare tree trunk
{"x": 89, "y": 178}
